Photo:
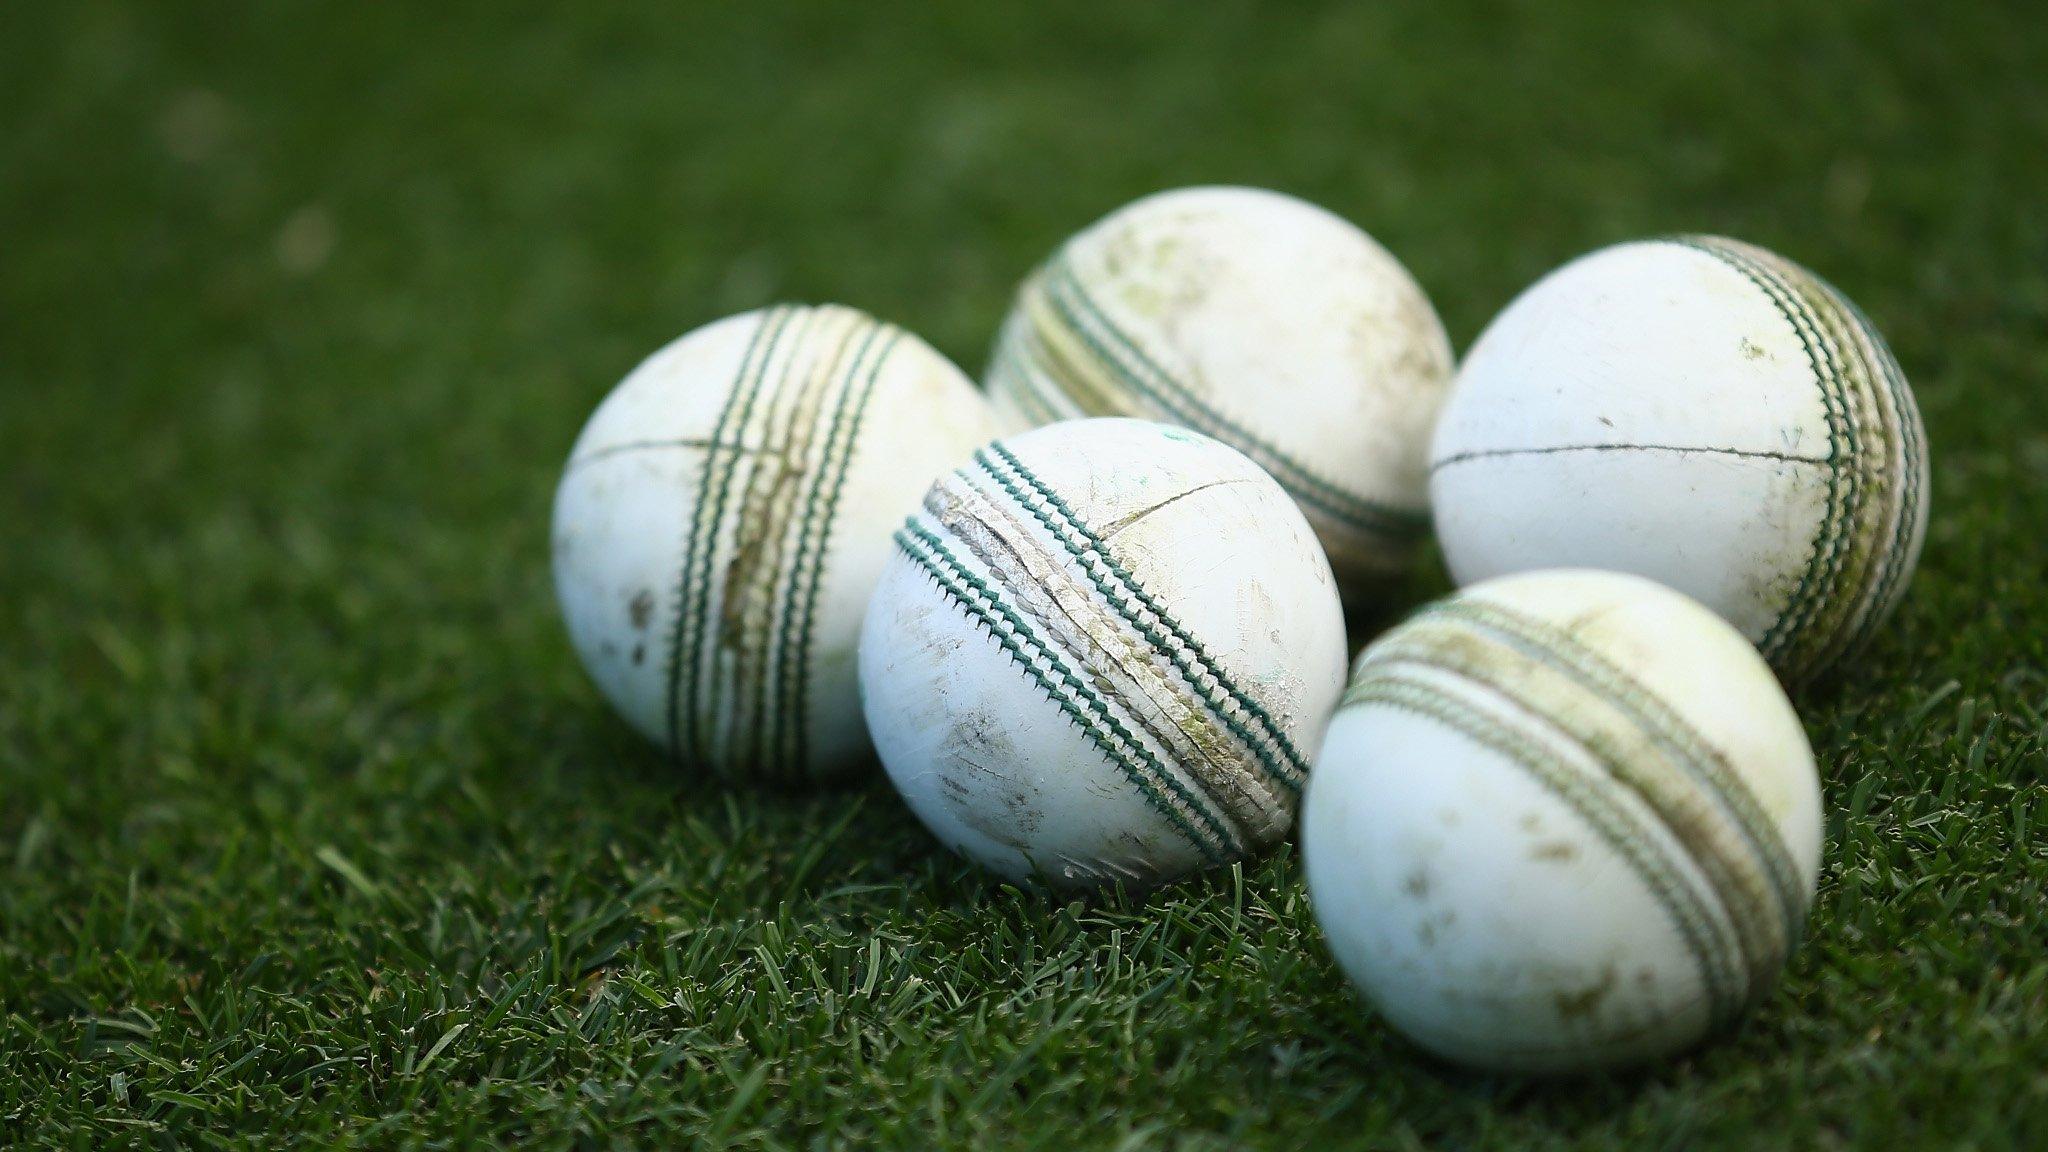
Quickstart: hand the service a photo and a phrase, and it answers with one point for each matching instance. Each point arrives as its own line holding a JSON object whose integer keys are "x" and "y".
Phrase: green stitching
{"x": 1868, "y": 575}
{"x": 1844, "y": 482}
{"x": 988, "y": 592}
{"x": 1064, "y": 292}
{"x": 1779, "y": 634}
{"x": 1848, "y": 584}
{"x": 1670, "y": 797}
{"x": 1042, "y": 377}
{"x": 1594, "y": 670}
{"x": 1016, "y": 636}
{"x": 1912, "y": 509}
{"x": 835, "y": 459}
{"x": 1611, "y": 822}
{"x": 1886, "y": 381}
{"x": 777, "y": 482}
{"x": 692, "y": 592}
{"x": 760, "y": 532}
{"x": 1328, "y": 497}
{"x": 1065, "y": 375}
{"x": 1094, "y": 555}
{"x": 1010, "y": 374}
{"x": 831, "y": 508}
{"x": 1711, "y": 777}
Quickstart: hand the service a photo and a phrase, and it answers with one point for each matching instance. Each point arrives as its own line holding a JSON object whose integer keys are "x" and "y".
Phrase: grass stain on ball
{"x": 1563, "y": 821}
{"x": 1259, "y": 319}
{"x": 724, "y": 516}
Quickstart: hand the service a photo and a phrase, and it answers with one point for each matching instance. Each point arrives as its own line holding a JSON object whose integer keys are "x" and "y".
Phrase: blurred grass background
{"x": 310, "y": 825}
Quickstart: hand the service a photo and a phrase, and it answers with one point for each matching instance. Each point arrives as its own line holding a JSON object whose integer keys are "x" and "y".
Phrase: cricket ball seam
{"x": 820, "y": 513}
{"x": 1843, "y": 478}
{"x": 1884, "y": 532}
{"x": 1912, "y": 500}
{"x": 797, "y": 420}
{"x": 693, "y": 587}
{"x": 1849, "y": 602}
{"x": 1740, "y": 940}
{"x": 1079, "y": 376}
{"x": 1708, "y": 811}
{"x": 751, "y": 604}
{"x": 1880, "y": 443}
{"x": 1889, "y": 531}
{"x": 1184, "y": 808}
{"x": 1062, "y": 290}
{"x": 1606, "y": 815}
{"x": 1203, "y": 673}
{"x": 1039, "y": 582}
{"x": 1836, "y": 612}
{"x": 1708, "y": 762}
{"x": 1019, "y": 373}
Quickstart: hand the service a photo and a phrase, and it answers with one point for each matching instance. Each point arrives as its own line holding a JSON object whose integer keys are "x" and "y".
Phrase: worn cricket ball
{"x": 1258, "y": 319}
{"x": 1701, "y": 412}
{"x": 1563, "y": 821}
{"x": 724, "y": 516}
{"x": 1103, "y": 653}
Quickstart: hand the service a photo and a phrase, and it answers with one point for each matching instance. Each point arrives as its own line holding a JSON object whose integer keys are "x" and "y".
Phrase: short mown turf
{"x": 311, "y": 828}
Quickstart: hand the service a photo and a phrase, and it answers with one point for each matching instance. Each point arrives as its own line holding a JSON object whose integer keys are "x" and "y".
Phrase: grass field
{"x": 310, "y": 824}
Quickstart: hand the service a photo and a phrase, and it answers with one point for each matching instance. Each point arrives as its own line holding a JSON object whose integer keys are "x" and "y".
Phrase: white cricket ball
{"x": 1701, "y": 412}
{"x": 726, "y": 512}
{"x": 1258, "y": 319}
{"x": 1103, "y": 652}
{"x": 1563, "y": 821}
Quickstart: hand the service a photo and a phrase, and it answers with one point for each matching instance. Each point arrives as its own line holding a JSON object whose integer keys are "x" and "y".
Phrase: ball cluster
{"x": 1092, "y": 619}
